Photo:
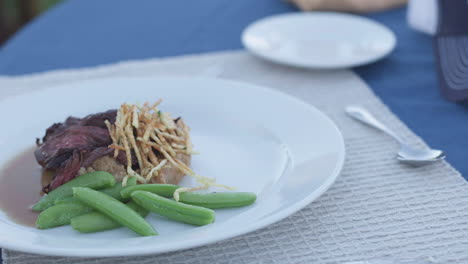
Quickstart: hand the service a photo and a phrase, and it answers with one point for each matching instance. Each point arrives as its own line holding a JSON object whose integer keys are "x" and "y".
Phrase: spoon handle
{"x": 367, "y": 118}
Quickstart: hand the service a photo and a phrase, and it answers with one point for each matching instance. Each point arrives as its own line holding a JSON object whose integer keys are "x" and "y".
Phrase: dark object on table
{"x": 451, "y": 47}
{"x": 15, "y": 14}
{"x": 353, "y": 6}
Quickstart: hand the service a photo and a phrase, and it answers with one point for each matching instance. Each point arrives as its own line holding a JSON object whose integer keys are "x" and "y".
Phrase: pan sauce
{"x": 20, "y": 187}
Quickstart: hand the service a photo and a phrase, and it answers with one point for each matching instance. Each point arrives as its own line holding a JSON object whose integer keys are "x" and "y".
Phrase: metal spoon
{"x": 407, "y": 154}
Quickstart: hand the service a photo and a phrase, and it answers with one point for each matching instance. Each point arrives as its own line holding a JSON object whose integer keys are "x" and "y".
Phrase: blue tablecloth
{"x": 87, "y": 33}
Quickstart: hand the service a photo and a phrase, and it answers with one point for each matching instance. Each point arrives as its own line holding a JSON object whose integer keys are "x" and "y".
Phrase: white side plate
{"x": 319, "y": 40}
{"x": 251, "y": 138}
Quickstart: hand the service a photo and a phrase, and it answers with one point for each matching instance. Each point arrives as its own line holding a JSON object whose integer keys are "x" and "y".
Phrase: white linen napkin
{"x": 422, "y": 15}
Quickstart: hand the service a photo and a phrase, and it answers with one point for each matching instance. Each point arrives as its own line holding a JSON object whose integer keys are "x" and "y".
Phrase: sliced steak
{"x": 68, "y": 146}
{"x": 66, "y": 172}
{"x": 57, "y": 128}
{"x": 98, "y": 119}
{"x": 53, "y": 152}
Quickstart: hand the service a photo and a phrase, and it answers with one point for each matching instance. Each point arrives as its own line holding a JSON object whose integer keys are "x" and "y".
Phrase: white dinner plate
{"x": 319, "y": 40}
{"x": 252, "y": 138}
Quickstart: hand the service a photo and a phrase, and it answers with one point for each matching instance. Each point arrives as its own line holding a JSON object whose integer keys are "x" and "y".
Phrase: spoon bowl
{"x": 414, "y": 156}
{"x": 419, "y": 156}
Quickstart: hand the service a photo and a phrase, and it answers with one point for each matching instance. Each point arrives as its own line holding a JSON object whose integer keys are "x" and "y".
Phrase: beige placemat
{"x": 377, "y": 207}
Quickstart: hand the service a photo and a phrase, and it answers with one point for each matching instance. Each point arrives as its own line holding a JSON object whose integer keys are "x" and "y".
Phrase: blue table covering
{"x": 88, "y": 33}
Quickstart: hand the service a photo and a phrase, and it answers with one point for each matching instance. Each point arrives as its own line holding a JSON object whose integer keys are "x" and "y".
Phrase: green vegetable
{"x": 65, "y": 200}
{"x": 218, "y": 199}
{"x": 94, "y": 180}
{"x": 96, "y": 221}
{"x": 113, "y": 191}
{"x": 165, "y": 190}
{"x": 61, "y": 214}
{"x": 70, "y": 207}
{"x": 114, "y": 209}
{"x": 173, "y": 210}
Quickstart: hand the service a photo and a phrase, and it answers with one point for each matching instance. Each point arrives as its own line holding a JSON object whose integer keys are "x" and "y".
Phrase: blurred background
{"x": 14, "y": 14}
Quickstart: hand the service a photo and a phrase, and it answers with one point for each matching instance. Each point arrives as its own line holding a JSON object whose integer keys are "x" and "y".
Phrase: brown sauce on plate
{"x": 21, "y": 180}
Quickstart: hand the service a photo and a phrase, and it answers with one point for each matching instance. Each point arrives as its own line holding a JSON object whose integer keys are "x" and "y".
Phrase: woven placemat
{"x": 378, "y": 207}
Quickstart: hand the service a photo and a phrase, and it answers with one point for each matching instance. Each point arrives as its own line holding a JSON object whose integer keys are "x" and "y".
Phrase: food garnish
{"x": 142, "y": 131}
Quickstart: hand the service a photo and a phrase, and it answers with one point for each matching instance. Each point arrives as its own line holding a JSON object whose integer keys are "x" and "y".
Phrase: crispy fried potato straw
{"x": 154, "y": 138}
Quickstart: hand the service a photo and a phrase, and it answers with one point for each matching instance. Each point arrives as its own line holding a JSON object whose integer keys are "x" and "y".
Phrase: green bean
{"x": 173, "y": 210}
{"x": 113, "y": 191}
{"x": 218, "y": 199}
{"x": 114, "y": 209}
{"x": 164, "y": 190}
{"x": 61, "y": 214}
{"x": 96, "y": 221}
{"x": 95, "y": 180}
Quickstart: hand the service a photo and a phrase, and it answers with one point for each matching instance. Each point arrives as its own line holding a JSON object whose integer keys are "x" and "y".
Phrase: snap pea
{"x": 114, "y": 209}
{"x": 67, "y": 208}
{"x": 218, "y": 199}
{"x": 113, "y": 191}
{"x": 164, "y": 190}
{"x": 96, "y": 221}
{"x": 65, "y": 200}
{"x": 95, "y": 180}
{"x": 173, "y": 210}
{"x": 61, "y": 214}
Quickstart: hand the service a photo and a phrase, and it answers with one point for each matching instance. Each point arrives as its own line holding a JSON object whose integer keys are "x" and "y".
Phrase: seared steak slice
{"x": 91, "y": 156}
{"x": 71, "y": 167}
{"x": 98, "y": 119}
{"x": 56, "y": 128}
{"x": 66, "y": 172}
{"x": 58, "y": 148}
{"x": 68, "y": 146}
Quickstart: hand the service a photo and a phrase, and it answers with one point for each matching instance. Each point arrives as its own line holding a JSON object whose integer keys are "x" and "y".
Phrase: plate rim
{"x": 317, "y": 65}
{"x": 113, "y": 252}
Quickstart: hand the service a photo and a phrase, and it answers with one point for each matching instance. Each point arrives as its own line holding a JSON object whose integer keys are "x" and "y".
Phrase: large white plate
{"x": 252, "y": 138}
{"x": 319, "y": 39}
